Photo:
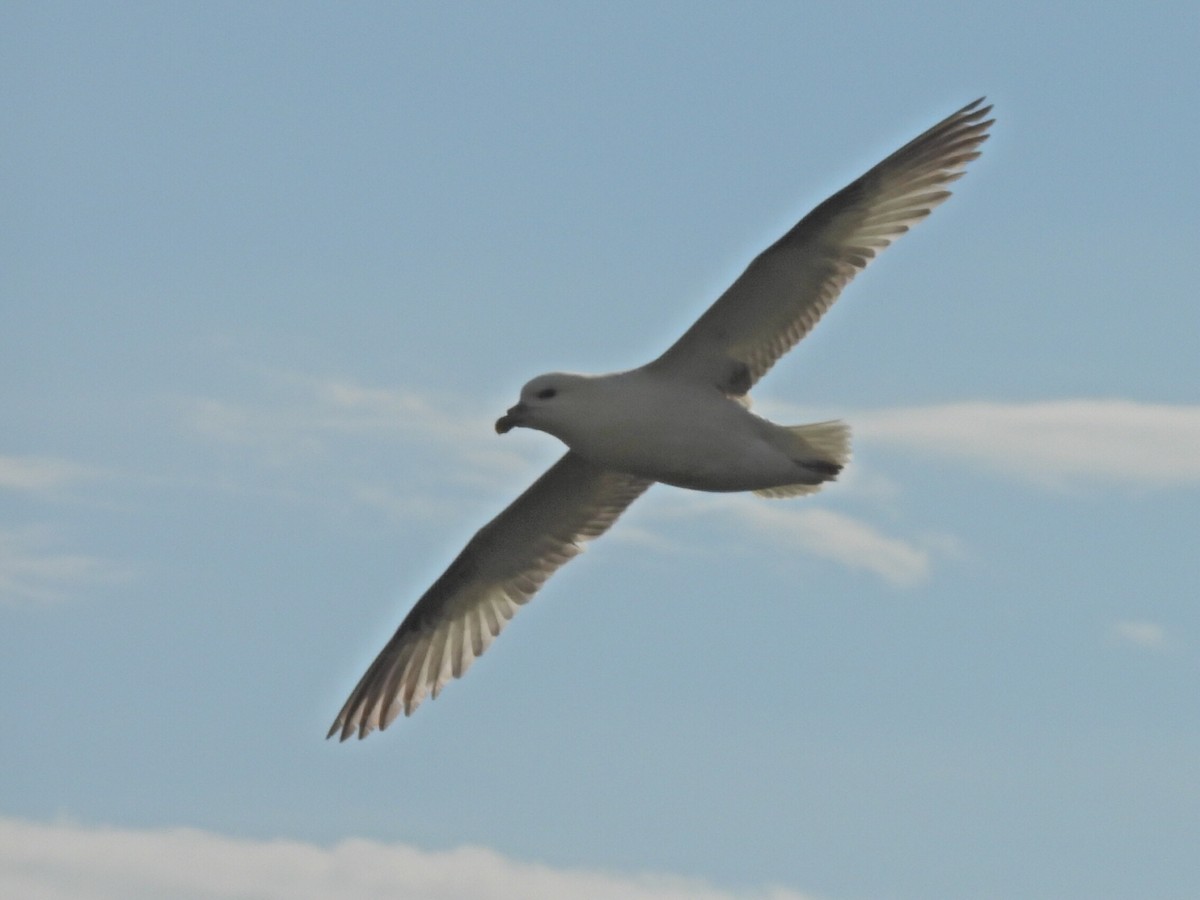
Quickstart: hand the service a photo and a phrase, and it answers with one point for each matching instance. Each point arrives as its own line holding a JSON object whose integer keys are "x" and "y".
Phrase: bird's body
{"x": 664, "y": 428}
{"x": 683, "y": 419}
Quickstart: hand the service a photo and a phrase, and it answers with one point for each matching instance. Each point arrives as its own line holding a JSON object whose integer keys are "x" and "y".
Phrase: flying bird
{"x": 682, "y": 419}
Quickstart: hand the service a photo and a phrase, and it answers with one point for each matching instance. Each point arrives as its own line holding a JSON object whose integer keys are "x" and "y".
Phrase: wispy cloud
{"x": 804, "y": 527}
{"x": 303, "y": 404}
{"x": 40, "y": 473}
{"x": 71, "y": 862}
{"x": 34, "y": 570}
{"x": 302, "y": 421}
{"x": 837, "y": 537}
{"x": 1052, "y": 442}
{"x": 1141, "y": 634}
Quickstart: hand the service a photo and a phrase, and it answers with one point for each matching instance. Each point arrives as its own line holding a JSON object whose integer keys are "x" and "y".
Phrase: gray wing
{"x": 790, "y": 285}
{"x": 498, "y": 571}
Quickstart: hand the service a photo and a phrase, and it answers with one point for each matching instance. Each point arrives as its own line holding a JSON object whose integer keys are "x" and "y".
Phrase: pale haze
{"x": 271, "y": 273}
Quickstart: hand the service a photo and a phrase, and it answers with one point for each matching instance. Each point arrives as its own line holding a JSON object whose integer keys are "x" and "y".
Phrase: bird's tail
{"x": 822, "y": 448}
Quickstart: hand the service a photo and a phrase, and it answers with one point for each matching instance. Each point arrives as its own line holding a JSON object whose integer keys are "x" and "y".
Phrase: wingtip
{"x": 348, "y": 729}
{"x": 341, "y": 728}
{"x": 977, "y": 110}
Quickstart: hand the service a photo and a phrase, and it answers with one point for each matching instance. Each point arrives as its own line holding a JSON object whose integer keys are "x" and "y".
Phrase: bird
{"x": 683, "y": 419}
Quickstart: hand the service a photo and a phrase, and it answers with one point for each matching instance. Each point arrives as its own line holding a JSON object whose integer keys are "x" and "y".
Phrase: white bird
{"x": 682, "y": 419}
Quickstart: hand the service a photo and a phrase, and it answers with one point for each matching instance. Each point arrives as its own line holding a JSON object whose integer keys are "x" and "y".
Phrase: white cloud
{"x": 349, "y": 430}
{"x": 33, "y": 571}
{"x": 37, "y": 473}
{"x": 72, "y": 862}
{"x": 302, "y": 405}
{"x": 801, "y": 525}
{"x": 1141, "y": 634}
{"x": 1054, "y": 441}
{"x": 837, "y": 537}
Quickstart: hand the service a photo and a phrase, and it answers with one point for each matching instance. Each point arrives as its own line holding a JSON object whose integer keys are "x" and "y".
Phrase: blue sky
{"x": 271, "y": 270}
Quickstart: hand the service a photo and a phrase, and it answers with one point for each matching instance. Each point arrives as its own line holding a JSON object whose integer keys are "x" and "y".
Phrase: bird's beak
{"x": 511, "y": 419}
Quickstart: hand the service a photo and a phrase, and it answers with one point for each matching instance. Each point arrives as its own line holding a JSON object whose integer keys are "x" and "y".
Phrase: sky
{"x": 270, "y": 272}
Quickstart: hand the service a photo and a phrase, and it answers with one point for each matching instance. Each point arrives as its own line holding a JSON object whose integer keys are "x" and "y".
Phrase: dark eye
{"x": 547, "y": 393}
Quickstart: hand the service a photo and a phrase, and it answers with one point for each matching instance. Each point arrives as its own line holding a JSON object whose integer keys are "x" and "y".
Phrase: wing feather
{"x": 786, "y": 289}
{"x": 498, "y": 571}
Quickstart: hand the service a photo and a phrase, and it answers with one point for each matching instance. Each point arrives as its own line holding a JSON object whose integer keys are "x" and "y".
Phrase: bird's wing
{"x": 790, "y": 285}
{"x": 500, "y": 569}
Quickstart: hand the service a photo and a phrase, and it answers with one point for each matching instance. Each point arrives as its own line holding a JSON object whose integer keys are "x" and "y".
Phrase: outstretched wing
{"x": 790, "y": 285}
{"x": 499, "y": 570}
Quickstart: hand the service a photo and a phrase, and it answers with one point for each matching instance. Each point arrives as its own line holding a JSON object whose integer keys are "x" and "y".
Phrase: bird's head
{"x": 546, "y": 403}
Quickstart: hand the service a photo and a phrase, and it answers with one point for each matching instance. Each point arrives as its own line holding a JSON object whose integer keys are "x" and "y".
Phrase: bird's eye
{"x": 547, "y": 393}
